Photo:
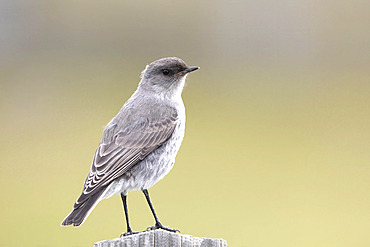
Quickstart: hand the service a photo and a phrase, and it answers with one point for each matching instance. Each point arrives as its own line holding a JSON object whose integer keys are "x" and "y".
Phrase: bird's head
{"x": 166, "y": 76}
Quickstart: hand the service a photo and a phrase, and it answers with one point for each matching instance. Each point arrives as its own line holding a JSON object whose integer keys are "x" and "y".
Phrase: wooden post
{"x": 161, "y": 238}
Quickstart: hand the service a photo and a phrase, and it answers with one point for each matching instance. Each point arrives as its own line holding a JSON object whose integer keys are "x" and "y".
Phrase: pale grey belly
{"x": 150, "y": 170}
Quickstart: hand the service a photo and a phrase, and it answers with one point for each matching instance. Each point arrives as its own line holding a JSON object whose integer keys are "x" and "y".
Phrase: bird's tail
{"x": 81, "y": 211}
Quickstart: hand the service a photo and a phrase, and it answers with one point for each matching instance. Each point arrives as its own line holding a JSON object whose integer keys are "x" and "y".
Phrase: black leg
{"x": 158, "y": 224}
{"x": 129, "y": 231}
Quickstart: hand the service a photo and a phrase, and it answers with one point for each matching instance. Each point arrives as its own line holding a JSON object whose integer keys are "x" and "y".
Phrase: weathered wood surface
{"x": 161, "y": 238}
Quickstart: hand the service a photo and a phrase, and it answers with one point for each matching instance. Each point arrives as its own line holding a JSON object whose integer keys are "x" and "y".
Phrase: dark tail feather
{"x": 80, "y": 212}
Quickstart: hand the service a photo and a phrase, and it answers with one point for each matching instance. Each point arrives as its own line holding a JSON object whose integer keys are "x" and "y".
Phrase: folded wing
{"x": 125, "y": 149}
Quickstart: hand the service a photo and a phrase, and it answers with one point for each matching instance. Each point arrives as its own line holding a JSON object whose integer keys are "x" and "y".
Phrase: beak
{"x": 190, "y": 69}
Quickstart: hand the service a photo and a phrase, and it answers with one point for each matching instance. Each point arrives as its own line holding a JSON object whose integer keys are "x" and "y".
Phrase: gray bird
{"x": 140, "y": 143}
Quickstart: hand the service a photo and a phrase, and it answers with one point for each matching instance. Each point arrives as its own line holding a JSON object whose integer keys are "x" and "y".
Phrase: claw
{"x": 124, "y": 234}
{"x": 160, "y": 226}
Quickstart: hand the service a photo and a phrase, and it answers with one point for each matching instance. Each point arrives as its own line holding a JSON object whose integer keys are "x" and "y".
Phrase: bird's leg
{"x": 158, "y": 224}
{"x": 129, "y": 230}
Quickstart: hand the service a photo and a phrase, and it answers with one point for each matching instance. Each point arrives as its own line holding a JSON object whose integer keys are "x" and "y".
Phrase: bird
{"x": 139, "y": 145}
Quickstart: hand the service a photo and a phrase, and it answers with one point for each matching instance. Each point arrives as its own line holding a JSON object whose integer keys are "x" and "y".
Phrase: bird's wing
{"x": 126, "y": 148}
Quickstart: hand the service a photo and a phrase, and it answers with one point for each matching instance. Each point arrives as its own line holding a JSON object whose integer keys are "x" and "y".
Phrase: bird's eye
{"x": 166, "y": 72}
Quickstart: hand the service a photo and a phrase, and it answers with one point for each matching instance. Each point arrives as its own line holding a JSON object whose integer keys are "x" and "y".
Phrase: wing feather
{"x": 127, "y": 147}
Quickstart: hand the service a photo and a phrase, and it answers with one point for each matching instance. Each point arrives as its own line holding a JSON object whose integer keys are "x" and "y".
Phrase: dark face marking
{"x": 165, "y": 68}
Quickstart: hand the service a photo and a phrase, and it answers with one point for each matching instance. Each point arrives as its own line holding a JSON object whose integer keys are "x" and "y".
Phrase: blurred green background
{"x": 277, "y": 144}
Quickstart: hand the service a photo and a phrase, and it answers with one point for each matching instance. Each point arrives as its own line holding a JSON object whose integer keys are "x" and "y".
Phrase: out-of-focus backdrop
{"x": 277, "y": 145}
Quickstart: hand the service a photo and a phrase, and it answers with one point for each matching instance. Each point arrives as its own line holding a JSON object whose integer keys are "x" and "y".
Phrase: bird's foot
{"x": 159, "y": 225}
{"x": 128, "y": 233}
